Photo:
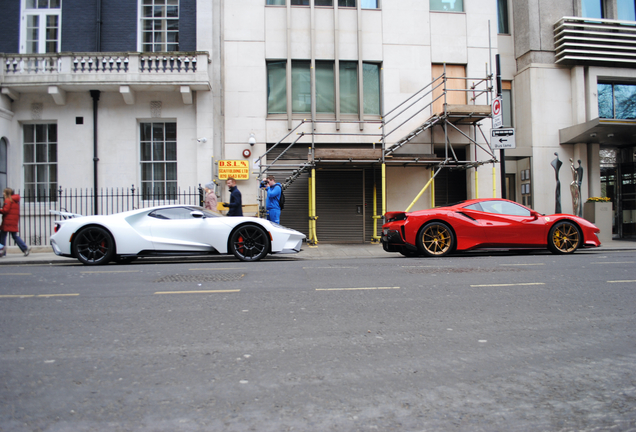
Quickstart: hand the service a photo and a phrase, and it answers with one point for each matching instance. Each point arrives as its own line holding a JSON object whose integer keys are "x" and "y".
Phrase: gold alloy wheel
{"x": 437, "y": 239}
{"x": 565, "y": 237}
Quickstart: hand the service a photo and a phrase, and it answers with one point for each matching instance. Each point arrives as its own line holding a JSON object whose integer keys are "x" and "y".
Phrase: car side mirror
{"x": 534, "y": 214}
{"x": 197, "y": 214}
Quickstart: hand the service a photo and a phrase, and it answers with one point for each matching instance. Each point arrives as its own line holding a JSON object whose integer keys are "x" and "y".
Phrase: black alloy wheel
{"x": 93, "y": 245}
{"x": 249, "y": 243}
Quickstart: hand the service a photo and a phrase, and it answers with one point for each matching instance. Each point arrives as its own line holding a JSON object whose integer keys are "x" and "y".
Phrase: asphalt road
{"x": 477, "y": 342}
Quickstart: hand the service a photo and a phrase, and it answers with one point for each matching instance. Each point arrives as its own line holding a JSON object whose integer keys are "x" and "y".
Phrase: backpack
{"x": 281, "y": 200}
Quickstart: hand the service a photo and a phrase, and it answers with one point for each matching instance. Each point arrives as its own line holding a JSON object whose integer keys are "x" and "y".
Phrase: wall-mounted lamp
{"x": 202, "y": 140}
{"x": 610, "y": 135}
{"x": 252, "y": 139}
{"x": 593, "y": 135}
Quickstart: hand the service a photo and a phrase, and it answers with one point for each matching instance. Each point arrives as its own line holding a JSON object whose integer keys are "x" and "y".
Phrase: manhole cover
{"x": 216, "y": 277}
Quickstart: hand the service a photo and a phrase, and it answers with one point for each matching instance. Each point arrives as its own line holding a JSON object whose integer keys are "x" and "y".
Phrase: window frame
{"x": 42, "y": 170}
{"x": 164, "y": 31}
{"x": 433, "y": 8}
{"x": 42, "y": 14}
{"x": 153, "y": 163}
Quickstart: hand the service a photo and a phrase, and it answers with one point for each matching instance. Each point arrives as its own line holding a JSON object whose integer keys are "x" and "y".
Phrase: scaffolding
{"x": 430, "y": 103}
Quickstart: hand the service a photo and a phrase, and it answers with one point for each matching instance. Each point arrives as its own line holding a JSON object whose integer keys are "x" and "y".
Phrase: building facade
{"x": 357, "y": 106}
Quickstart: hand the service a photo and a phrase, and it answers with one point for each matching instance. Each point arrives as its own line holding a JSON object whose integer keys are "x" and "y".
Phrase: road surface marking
{"x": 613, "y": 262}
{"x": 36, "y": 295}
{"x": 523, "y": 264}
{"x": 16, "y": 274}
{"x": 622, "y": 281}
{"x": 322, "y": 268}
{"x": 356, "y": 289}
{"x": 198, "y": 292}
{"x": 110, "y": 271}
{"x": 220, "y": 268}
{"x": 508, "y": 284}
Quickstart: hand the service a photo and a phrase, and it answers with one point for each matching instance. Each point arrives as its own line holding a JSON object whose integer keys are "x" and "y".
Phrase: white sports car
{"x": 169, "y": 231}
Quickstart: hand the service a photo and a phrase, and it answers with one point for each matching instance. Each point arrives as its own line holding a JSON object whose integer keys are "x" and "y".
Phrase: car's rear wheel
{"x": 93, "y": 246}
{"x": 564, "y": 238}
{"x": 249, "y": 243}
{"x": 436, "y": 239}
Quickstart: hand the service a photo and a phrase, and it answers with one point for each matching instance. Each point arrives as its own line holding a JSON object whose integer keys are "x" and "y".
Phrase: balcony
{"x": 595, "y": 41}
{"x": 126, "y": 73}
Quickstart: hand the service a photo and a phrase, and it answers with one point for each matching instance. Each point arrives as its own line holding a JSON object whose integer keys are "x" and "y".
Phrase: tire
{"x": 436, "y": 239}
{"x": 249, "y": 243}
{"x": 564, "y": 238}
{"x": 93, "y": 246}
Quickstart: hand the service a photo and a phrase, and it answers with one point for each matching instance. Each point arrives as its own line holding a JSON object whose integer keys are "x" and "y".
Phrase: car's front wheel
{"x": 93, "y": 246}
{"x": 436, "y": 239}
{"x": 249, "y": 243}
{"x": 564, "y": 238}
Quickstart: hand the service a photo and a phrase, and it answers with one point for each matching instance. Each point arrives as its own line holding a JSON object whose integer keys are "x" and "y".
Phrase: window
{"x": 455, "y": 86}
{"x": 502, "y": 17}
{"x": 371, "y": 85}
{"x": 626, "y": 10}
{"x": 500, "y": 207}
{"x": 158, "y": 143}
{"x": 40, "y": 162}
{"x": 275, "y": 2}
{"x": 346, "y": 3}
{"x": 369, "y": 4}
{"x": 349, "y": 87}
{"x": 617, "y": 101}
{"x": 323, "y": 2}
{"x": 301, "y": 87}
{"x": 276, "y": 87}
{"x": 325, "y": 87}
{"x": 300, "y": 2}
{"x": 159, "y": 25}
{"x": 447, "y": 5}
{"x": 41, "y": 26}
{"x": 592, "y": 9}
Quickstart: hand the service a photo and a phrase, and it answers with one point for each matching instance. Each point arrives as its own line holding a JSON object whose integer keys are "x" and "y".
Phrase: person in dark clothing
{"x": 236, "y": 202}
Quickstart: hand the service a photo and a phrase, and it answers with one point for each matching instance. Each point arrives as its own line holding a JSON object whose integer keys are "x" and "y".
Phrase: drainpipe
{"x": 95, "y": 95}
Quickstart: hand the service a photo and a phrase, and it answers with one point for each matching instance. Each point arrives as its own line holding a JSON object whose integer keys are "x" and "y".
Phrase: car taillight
{"x": 56, "y": 227}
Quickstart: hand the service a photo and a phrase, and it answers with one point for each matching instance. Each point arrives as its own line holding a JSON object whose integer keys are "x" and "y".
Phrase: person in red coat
{"x": 10, "y": 218}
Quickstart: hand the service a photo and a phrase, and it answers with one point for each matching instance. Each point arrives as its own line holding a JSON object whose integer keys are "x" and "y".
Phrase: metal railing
{"x": 37, "y": 221}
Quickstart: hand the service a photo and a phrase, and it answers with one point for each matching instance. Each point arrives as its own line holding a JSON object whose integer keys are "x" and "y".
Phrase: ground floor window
{"x": 617, "y": 101}
{"x": 158, "y": 154}
{"x": 40, "y": 162}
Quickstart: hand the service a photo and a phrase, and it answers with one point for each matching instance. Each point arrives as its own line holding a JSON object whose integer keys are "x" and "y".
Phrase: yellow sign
{"x": 238, "y": 169}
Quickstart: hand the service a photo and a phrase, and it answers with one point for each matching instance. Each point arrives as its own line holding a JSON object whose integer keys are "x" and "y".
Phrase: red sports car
{"x": 484, "y": 223}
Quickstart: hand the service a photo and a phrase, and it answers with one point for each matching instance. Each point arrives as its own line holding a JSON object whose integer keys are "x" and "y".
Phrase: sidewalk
{"x": 44, "y": 254}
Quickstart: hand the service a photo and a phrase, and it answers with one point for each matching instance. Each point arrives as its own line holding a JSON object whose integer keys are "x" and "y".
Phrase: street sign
{"x": 497, "y": 113}
{"x": 502, "y": 139}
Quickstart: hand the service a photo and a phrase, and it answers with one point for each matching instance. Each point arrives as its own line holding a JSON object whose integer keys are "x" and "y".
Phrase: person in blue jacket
{"x": 272, "y": 203}
{"x": 236, "y": 202}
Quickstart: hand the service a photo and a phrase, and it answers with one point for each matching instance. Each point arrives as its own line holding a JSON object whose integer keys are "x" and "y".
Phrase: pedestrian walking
{"x": 235, "y": 206}
{"x": 210, "y": 197}
{"x": 10, "y": 220}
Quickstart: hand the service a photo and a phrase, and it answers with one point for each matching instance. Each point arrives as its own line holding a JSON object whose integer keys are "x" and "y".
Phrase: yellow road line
{"x": 613, "y": 262}
{"x": 622, "y": 281}
{"x": 199, "y": 292}
{"x": 16, "y": 295}
{"x": 16, "y": 274}
{"x": 508, "y": 284}
{"x": 356, "y": 289}
{"x": 57, "y": 295}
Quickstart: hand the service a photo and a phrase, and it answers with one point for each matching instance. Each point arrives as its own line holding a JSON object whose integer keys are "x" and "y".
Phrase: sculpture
{"x": 556, "y": 164}
{"x": 575, "y": 188}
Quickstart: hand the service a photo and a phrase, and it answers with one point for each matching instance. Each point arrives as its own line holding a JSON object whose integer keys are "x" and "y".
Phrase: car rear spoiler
{"x": 65, "y": 215}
